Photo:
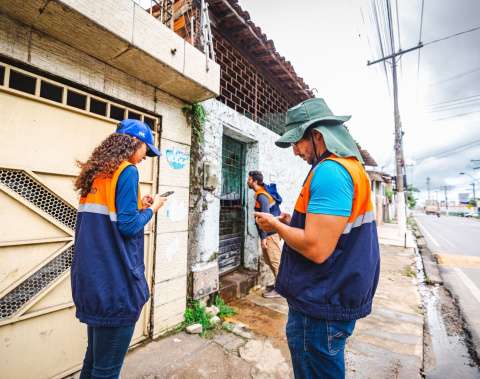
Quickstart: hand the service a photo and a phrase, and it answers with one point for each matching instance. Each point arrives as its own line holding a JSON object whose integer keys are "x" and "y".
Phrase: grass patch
{"x": 196, "y": 314}
{"x": 225, "y": 309}
{"x": 409, "y": 271}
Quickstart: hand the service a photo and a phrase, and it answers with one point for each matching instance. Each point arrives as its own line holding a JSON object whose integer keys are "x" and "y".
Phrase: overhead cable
{"x": 453, "y": 35}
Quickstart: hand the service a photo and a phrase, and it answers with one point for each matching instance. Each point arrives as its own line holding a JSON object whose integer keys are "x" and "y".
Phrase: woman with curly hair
{"x": 108, "y": 281}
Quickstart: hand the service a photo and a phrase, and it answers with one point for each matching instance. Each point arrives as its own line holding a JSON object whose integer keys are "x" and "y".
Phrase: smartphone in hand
{"x": 168, "y": 193}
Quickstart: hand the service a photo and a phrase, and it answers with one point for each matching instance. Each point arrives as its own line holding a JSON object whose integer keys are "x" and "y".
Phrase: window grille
{"x": 22, "y": 184}
{"x": 19, "y": 182}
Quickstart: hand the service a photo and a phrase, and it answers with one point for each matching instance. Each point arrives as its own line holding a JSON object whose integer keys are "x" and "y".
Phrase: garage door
{"x": 45, "y": 127}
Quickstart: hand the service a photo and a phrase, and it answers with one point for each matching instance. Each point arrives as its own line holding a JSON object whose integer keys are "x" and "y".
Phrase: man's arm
{"x": 317, "y": 242}
{"x": 329, "y": 208}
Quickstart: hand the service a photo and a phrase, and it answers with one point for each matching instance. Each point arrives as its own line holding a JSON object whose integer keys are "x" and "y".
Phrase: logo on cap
{"x": 141, "y": 134}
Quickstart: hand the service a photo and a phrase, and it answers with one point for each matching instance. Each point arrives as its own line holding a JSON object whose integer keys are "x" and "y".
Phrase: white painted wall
{"x": 276, "y": 164}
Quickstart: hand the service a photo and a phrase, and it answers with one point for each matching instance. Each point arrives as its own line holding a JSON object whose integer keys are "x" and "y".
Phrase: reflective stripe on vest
{"x": 362, "y": 211}
{"x": 101, "y": 198}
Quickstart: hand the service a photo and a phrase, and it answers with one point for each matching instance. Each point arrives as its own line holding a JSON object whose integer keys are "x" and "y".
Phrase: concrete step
{"x": 238, "y": 284}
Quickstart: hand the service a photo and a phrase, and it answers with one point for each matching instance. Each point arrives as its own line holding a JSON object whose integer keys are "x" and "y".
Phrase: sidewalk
{"x": 386, "y": 344}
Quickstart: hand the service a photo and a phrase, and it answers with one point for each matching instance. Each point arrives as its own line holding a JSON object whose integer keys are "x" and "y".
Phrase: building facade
{"x": 69, "y": 71}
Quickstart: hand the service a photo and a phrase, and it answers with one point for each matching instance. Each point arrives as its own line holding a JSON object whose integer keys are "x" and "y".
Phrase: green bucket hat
{"x": 316, "y": 113}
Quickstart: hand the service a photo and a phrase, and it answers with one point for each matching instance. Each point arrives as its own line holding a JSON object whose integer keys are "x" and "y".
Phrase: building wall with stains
{"x": 90, "y": 68}
{"x": 277, "y": 165}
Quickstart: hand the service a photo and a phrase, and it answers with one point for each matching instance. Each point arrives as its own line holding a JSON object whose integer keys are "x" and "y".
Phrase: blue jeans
{"x": 106, "y": 351}
{"x": 317, "y": 345}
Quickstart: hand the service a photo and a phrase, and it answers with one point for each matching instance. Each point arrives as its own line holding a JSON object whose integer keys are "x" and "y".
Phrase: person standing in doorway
{"x": 108, "y": 281}
{"x": 330, "y": 263}
{"x": 271, "y": 243}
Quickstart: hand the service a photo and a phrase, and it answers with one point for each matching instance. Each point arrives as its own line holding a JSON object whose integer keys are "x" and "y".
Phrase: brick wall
{"x": 244, "y": 89}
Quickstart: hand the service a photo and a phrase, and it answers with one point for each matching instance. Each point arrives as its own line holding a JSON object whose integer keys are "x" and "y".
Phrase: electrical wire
{"x": 419, "y": 41}
{"x": 453, "y": 35}
{"x": 458, "y": 115}
{"x": 399, "y": 39}
{"x": 451, "y": 101}
{"x": 453, "y": 77}
{"x": 449, "y": 152}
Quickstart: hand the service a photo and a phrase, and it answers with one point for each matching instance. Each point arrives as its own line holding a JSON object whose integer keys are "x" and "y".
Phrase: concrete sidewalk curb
{"x": 430, "y": 263}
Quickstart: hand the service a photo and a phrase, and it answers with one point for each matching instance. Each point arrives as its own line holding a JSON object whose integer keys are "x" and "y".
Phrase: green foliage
{"x": 411, "y": 200}
{"x": 408, "y": 271}
{"x": 388, "y": 193}
{"x": 196, "y": 117}
{"x": 225, "y": 309}
{"x": 228, "y": 327}
{"x": 196, "y": 315}
{"x": 388, "y": 221}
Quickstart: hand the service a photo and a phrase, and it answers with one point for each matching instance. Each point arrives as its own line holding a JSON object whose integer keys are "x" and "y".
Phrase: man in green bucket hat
{"x": 330, "y": 262}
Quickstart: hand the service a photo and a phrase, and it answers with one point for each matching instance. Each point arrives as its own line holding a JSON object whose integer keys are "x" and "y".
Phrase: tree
{"x": 411, "y": 200}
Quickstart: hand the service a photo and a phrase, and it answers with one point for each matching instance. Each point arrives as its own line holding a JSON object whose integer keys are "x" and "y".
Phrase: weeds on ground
{"x": 388, "y": 221}
{"x": 427, "y": 279}
{"x": 409, "y": 271}
{"x": 196, "y": 314}
{"x": 228, "y": 327}
{"x": 225, "y": 309}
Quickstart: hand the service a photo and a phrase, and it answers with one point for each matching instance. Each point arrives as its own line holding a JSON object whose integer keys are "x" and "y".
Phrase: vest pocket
{"x": 140, "y": 290}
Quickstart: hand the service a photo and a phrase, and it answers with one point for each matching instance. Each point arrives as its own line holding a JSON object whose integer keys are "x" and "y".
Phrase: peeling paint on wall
{"x": 177, "y": 210}
{"x": 172, "y": 249}
{"x": 277, "y": 165}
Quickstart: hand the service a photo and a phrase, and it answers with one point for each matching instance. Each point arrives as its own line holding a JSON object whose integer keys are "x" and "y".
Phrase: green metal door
{"x": 232, "y": 209}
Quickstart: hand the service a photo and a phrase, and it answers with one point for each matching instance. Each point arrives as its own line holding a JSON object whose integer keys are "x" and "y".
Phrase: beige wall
{"x": 170, "y": 234}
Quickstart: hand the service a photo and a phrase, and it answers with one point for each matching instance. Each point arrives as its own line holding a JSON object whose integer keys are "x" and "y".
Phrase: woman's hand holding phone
{"x": 158, "y": 201}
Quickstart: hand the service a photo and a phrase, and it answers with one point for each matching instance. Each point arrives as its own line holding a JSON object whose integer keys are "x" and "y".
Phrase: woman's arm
{"x": 130, "y": 219}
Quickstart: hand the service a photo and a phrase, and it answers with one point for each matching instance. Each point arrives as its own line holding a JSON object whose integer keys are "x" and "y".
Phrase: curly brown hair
{"x": 105, "y": 160}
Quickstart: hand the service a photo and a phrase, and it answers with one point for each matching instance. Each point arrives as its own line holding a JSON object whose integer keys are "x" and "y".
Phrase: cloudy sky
{"x": 329, "y": 44}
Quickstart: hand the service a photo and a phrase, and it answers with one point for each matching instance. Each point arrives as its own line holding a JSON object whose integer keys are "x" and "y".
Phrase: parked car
{"x": 472, "y": 214}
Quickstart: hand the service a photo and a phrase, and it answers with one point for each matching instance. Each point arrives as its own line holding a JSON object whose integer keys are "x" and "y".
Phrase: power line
{"x": 452, "y": 101}
{"x": 453, "y": 35}
{"x": 451, "y": 107}
{"x": 453, "y": 77}
{"x": 449, "y": 152}
{"x": 458, "y": 115}
{"x": 475, "y": 143}
{"x": 419, "y": 41}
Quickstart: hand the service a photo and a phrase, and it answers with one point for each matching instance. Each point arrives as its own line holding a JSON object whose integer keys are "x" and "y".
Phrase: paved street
{"x": 456, "y": 243}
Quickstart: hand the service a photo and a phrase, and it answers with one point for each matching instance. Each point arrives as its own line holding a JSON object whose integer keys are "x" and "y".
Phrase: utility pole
{"x": 474, "y": 198}
{"x": 428, "y": 190}
{"x": 401, "y": 215}
{"x": 446, "y": 188}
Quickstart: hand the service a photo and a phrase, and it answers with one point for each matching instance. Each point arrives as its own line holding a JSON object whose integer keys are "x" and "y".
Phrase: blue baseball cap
{"x": 140, "y": 130}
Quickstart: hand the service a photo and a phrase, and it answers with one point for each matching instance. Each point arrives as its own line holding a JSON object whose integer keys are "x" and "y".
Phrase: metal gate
{"x": 232, "y": 205}
{"x": 45, "y": 127}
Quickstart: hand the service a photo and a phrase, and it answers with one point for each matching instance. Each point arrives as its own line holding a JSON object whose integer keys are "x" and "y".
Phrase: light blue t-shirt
{"x": 331, "y": 190}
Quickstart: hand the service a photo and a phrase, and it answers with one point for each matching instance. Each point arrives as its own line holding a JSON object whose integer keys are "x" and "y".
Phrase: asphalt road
{"x": 456, "y": 241}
